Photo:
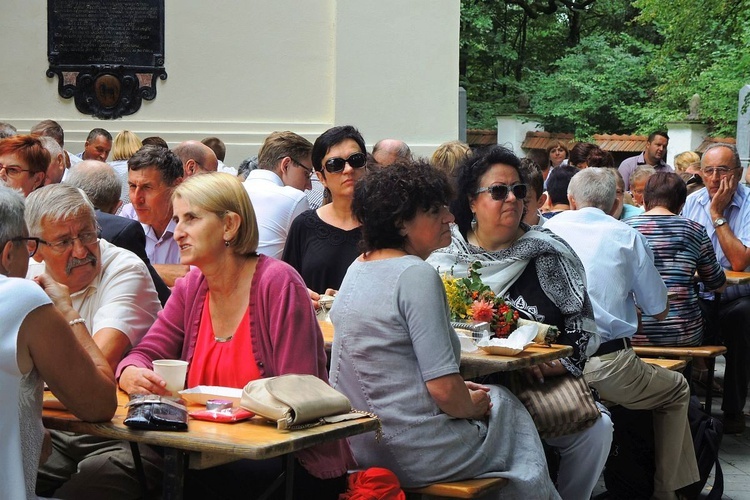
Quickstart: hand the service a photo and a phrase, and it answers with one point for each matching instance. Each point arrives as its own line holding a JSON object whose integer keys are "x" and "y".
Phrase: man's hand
{"x": 723, "y": 196}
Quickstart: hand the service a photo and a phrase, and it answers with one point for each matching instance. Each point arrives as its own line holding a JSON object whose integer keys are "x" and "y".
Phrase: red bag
{"x": 374, "y": 483}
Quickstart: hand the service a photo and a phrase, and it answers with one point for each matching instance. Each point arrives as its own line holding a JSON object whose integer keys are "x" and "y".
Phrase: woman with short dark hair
{"x": 396, "y": 354}
{"x": 681, "y": 248}
{"x": 322, "y": 243}
{"x": 538, "y": 274}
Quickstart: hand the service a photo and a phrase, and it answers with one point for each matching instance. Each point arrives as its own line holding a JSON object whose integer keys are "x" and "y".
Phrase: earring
{"x": 327, "y": 194}
{"x": 473, "y": 222}
{"x": 226, "y": 243}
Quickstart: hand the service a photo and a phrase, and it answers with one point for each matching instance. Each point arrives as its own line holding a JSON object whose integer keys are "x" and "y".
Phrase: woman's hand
{"x": 480, "y": 396}
{"x": 315, "y": 296}
{"x": 58, "y": 293}
{"x": 134, "y": 380}
{"x": 538, "y": 373}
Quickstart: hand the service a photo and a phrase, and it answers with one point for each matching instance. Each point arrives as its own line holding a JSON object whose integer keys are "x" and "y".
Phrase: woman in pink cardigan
{"x": 235, "y": 317}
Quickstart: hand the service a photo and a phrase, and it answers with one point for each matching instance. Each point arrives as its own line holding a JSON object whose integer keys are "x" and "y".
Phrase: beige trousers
{"x": 622, "y": 378}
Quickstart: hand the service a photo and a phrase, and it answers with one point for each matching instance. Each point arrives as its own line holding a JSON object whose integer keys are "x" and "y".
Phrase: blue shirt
{"x": 697, "y": 208}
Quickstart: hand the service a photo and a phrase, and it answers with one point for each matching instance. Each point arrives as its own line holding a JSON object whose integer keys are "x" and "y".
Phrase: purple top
{"x": 628, "y": 166}
{"x": 286, "y": 338}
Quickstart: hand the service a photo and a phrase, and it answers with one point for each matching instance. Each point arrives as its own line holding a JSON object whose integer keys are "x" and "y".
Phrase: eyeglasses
{"x": 722, "y": 171}
{"x": 309, "y": 170}
{"x": 336, "y": 165}
{"x": 499, "y": 192}
{"x": 32, "y": 244}
{"x": 13, "y": 171}
{"x": 62, "y": 246}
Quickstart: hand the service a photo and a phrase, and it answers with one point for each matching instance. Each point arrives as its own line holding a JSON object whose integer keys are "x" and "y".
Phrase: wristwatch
{"x": 720, "y": 222}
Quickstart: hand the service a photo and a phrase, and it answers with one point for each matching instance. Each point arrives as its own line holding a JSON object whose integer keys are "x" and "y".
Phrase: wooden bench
{"x": 708, "y": 352}
{"x": 670, "y": 364}
{"x": 470, "y": 488}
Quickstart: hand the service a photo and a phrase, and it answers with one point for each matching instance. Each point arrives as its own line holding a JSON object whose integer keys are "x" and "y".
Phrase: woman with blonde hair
{"x": 448, "y": 156}
{"x": 124, "y": 146}
{"x": 687, "y": 161}
{"x": 235, "y": 317}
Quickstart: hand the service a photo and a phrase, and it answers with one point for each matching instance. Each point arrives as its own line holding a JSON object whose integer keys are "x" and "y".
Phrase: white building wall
{"x": 240, "y": 69}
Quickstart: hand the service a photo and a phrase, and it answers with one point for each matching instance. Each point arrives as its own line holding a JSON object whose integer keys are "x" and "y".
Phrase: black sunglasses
{"x": 695, "y": 179}
{"x": 336, "y": 165}
{"x": 32, "y": 244}
{"x": 499, "y": 192}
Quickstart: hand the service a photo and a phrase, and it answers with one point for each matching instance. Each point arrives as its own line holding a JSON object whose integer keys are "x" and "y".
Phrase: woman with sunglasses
{"x": 540, "y": 276}
{"x": 322, "y": 243}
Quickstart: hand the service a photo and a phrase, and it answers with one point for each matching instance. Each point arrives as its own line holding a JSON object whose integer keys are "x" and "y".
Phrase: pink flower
{"x": 482, "y": 310}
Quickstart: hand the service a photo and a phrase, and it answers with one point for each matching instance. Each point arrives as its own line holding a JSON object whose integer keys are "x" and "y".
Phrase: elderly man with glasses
{"x": 723, "y": 207}
{"x": 111, "y": 290}
{"x": 276, "y": 188}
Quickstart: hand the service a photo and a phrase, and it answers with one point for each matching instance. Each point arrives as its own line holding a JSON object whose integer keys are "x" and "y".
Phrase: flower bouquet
{"x": 470, "y": 299}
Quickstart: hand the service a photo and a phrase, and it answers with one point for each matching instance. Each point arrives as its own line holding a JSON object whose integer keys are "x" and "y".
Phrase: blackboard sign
{"x": 112, "y": 49}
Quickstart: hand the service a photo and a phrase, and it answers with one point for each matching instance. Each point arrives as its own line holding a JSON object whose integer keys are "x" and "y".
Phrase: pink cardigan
{"x": 286, "y": 338}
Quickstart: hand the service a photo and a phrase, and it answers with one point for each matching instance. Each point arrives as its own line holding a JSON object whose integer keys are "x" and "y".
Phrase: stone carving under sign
{"x": 107, "y": 54}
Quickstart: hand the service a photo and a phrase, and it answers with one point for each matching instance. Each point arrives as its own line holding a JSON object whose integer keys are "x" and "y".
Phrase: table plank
{"x": 737, "y": 277}
{"x": 255, "y": 439}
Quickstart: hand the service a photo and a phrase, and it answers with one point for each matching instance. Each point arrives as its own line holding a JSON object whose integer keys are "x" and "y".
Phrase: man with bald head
{"x": 723, "y": 208}
{"x": 390, "y": 151}
{"x": 196, "y": 158}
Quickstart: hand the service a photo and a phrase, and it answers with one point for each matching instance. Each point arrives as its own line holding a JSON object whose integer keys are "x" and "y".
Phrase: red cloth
{"x": 374, "y": 483}
{"x": 222, "y": 363}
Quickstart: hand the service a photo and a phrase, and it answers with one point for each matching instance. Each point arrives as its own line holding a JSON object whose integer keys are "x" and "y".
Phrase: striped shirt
{"x": 681, "y": 247}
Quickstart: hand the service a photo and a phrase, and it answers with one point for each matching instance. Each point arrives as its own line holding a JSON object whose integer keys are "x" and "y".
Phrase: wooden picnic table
{"x": 207, "y": 444}
{"x": 737, "y": 277}
{"x": 479, "y": 363}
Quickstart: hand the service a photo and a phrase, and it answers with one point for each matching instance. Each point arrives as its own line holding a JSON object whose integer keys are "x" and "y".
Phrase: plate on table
{"x": 516, "y": 342}
{"x": 200, "y": 394}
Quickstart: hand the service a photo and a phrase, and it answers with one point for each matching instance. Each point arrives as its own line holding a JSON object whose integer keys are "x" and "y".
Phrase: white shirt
{"x": 160, "y": 250}
{"x": 276, "y": 206}
{"x": 122, "y": 296}
{"x": 619, "y": 267}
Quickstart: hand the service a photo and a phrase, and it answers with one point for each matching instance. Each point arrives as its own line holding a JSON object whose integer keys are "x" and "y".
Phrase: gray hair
{"x": 730, "y": 147}
{"x": 644, "y": 171}
{"x": 99, "y": 181}
{"x": 7, "y": 130}
{"x": 11, "y": 213}
{"x": 55, "y": 203}
{"x": 594, "y": 187}
{"x": 51, "y": 145}
{"x": 400, "y": 148}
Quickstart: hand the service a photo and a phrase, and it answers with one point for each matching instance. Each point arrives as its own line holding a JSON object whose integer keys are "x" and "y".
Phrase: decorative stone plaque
{"x": 107, "y": 54}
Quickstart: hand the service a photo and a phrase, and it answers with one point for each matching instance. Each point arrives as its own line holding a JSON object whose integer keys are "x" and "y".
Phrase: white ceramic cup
{"x": 173, "y": 371}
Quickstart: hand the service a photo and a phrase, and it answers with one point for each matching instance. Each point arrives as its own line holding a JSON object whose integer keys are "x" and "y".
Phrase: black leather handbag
{"x": 156, "y": 413}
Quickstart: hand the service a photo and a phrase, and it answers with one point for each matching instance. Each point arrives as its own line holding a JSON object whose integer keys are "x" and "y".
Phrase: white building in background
{"x": 240, "y": 69}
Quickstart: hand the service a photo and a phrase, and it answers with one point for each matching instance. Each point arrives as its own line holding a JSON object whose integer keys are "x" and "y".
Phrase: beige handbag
{"x": 297, "y": 402}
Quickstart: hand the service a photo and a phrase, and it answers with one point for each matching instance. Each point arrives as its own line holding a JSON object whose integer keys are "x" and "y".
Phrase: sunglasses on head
{"x": 499, "y": 192}
{"x": 336, "y": 165}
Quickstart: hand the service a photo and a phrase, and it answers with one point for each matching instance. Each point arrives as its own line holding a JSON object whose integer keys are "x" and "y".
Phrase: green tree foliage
{"x": 705, "y": 51}
{"x": 605, "y": 66}
{"x": 596, "y": 87}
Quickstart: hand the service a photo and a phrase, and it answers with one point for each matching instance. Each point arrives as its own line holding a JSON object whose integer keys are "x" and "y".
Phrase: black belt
{"x": 611, "y": 346}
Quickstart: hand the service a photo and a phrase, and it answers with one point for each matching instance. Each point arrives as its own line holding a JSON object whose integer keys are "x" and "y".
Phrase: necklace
{"x": 222, "y": 340}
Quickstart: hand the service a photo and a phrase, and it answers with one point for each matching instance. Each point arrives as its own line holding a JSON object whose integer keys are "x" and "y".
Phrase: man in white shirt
{"x": 277, "y": 186}
{"x": 620, "y": 271}
{"x": 153, "y": 174}
{"x": 113, "y": 293}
